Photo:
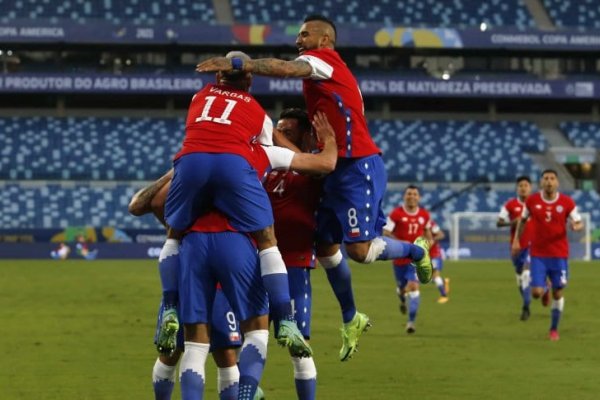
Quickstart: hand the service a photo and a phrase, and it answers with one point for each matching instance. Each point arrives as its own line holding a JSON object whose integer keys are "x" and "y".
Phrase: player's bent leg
{"x": 340, "y": 279}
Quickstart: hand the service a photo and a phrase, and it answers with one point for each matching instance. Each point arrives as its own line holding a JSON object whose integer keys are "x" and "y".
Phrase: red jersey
{"x": 435, "y": 251}
{"x": 222, "y": 119}
{"x": 549, "y": 224}
{"x": 294, "y": 198}
{"x": 510, "y": 211}
{"x": 333, "y": 90}
{"x": 407, "y": 227}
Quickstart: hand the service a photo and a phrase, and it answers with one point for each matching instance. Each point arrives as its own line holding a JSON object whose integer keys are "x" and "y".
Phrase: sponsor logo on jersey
{"x": 559, "y": 209}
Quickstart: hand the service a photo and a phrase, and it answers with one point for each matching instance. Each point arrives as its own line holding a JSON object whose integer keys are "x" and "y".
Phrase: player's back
{"x": 340, "y": 98}
{"x": 222, "y": 119}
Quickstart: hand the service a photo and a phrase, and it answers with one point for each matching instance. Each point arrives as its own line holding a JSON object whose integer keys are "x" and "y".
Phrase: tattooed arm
{"x": 260, "y": 66}
{"x": 144, "y": 201}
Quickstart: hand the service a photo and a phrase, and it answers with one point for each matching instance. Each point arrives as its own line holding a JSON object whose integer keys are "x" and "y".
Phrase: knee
{"x": 358, "y": 253}
{"x": 537, "y": 292}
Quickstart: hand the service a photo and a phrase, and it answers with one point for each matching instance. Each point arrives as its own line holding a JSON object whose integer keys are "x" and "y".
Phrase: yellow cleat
{"x": 443, "y": 300}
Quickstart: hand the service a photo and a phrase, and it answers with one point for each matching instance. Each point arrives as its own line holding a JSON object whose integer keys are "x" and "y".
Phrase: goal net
{"x": 475, "y": 235}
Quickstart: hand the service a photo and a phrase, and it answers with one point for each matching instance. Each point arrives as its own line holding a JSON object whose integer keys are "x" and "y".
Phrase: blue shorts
{"x": 301, "y": 296}
{"x": 224, "y": 326}
{"x": 226, "y": 257}
{"x": 225, "y": 181}
{"x": 225, "y": 330}
{"x": 521, "y": 260}
{"x": 405, "y": 274}
{"x": 554, "y": 268}
{"x": 351, "y": 208}
{"x": 438, "y": 263}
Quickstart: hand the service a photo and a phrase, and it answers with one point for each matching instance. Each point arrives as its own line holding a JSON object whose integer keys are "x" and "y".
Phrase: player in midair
{"x": 549, "y": 213}
{"x": 351, "y": 209}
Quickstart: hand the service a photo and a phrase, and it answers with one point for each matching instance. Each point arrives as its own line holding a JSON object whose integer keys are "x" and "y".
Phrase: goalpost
{"x": 475, "y": 235}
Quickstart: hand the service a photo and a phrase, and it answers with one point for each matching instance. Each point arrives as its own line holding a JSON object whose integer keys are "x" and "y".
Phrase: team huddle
{"x": 249, "y": 208}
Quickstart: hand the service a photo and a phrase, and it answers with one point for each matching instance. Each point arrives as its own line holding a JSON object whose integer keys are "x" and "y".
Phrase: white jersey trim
{"x": 266, "y": 134}
{"x": 279, "y": 157}
{"x": 320, "y": 69}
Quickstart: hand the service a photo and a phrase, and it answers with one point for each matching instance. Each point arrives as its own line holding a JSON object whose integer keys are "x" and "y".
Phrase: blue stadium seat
{"x": 431, "y": 13}
{"x": 574, "y": 13}
{"x": 118, "y": 11}
{"x": 25, "y": 205}
{"x": 582, "y": 134}
{"x": 457, "y": 151}
{"x": 88, "y": 148}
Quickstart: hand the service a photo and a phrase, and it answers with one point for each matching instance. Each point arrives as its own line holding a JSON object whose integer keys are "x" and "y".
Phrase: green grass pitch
{"x": 83, "y": 330}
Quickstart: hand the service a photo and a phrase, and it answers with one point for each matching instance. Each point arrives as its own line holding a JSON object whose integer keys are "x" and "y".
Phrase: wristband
{"x": 237, "y": 64}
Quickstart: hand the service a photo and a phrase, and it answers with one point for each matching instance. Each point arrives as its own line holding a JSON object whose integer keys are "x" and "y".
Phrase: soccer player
{"x": 350, "y": 211}
{"x": 509, "y": 215}
{"x": 549, "y": 211}
{"x": 443, "y": 284}
{"x": 214, "y": 168}
{"x": 295, "y": 198}
{"x": 225, "y": 333}
{"x": 408, "y": 222}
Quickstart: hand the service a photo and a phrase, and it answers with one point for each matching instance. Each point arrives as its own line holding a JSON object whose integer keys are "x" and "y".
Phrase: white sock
{"x": 525, "y": 279}
{"x": 558, "y": 304}
{"x": 162, "y": 372}
{"x": 227, "y": 377}
{"x": 304, "y": 368}
{"x": 171, "y": 247}
{"x": 271, "y": 262}
{"x": 439, "y": 282}
{"x": 194, "y": 358}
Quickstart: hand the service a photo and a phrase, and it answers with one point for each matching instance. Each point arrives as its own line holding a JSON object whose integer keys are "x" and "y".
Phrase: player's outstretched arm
{"x": 516, "y": 244}
{"x": 260, "y": 66}
{"x": 325, "y": 161}
{"x": 142, "y": 202}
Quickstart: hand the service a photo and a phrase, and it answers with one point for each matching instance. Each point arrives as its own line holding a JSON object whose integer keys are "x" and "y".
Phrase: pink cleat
{"x": 554, "y": 337}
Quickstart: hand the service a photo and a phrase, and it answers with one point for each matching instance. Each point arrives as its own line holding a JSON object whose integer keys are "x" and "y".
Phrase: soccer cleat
{"x": 447, "y": 286}
{"x": 423, "y": 266}
{"x": 546, "y": 298}
{"x": 410, "y": 327}
{"x": 525, "y": 313}
{"x": 351, "y": 332}
{"x": 554, "y": 337}
{"x": 166, "y": 341}
{"x": 290, "y": 336}
{"x": 259, "y": 395}
{"x": 443, "y": 300}
{"x": 403, "y": 308}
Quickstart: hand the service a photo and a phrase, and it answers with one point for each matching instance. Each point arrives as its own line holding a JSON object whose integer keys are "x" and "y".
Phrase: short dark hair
{"x": 523, "y": 178}
{"x": 299, "y": 115}
{"x": 411, "y": 186}
{"x": 549, "y": 171}
{"x": 322, "y": 18}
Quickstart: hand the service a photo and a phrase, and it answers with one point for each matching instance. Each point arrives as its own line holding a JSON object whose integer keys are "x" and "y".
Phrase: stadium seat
{"x": 431, "y": 13}
{"x": 573, "y": 13}
{"x": 457, "y": 151}
{"x": 132, "y": 11}
{"x": 582, "y": 134}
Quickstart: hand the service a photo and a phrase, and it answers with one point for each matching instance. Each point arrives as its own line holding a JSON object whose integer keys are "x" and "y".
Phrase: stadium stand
{"x": 574, "y": 13}
{"x": 88, "y": 148}
{"x": 446, "y": 151}
{"x": 439, "y": 13}
{"x": 132, "y": 11}
{"x": 582, "y": 134}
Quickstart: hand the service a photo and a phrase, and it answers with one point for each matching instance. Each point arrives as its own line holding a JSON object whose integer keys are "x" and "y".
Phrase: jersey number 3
{"x": 219, "y": 120}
